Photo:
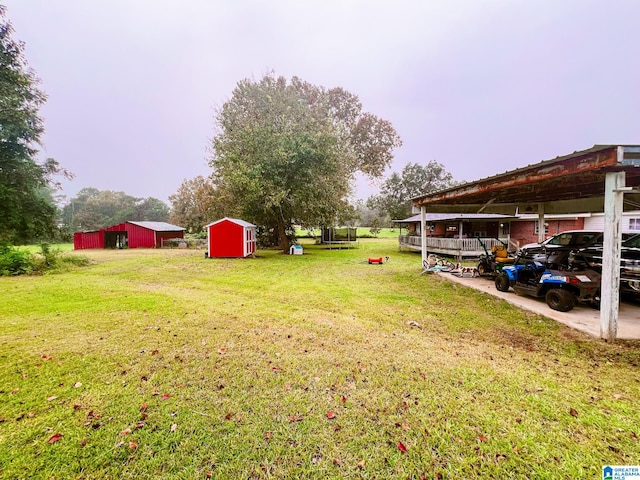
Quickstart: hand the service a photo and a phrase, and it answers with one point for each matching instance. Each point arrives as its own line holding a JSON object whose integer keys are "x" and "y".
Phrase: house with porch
{"x": 467, "y": 235}
{"x": 455, "y": 234}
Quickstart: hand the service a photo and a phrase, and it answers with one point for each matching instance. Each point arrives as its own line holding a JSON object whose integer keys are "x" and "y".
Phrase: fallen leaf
{"x": 336, "y": 461}
{"x": 401, "y": 447}
{"x": 203, "y": 342}
{"x": 54, "y": 438}
{"x": 294, "y": 418}
{"x": 267, "y": 435}
{"x": 222, "y": 350}
{"x": 155, "y": 392}
{"x": 77, "y": 385}
{"x": 228, "y": 416}
{"x": 331, "y": 415}
{"x": 174, "y": 427}
{"x": 125, "y": 432}
{"x": 51, "y": 398}
{"x": 573, "y": 412}
{"x": 143, "y": 407}
{"x": 165, "y": 396}
{"x": 15, "y": 390}
{"x": 287, "y": 387}
{"x": 361, "y": 464}
{"x": 518, "y": 420}
{"x": 154, "y": 352}
{"x": 343, "y": 399}
{"x": 133, "y": 445}
{"x": 144, "y": 416}
{"x": 139, "y": 424}
{"x": 405, "y": 405}
{"x": 482, "y": 438}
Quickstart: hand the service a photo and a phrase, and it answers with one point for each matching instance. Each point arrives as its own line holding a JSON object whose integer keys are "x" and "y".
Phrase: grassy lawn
{"x": 164, "y": 364}
{"x": 60, "y": 247}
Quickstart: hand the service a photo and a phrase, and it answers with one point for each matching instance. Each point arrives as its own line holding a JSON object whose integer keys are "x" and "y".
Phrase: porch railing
{"x": 457, "y": 247}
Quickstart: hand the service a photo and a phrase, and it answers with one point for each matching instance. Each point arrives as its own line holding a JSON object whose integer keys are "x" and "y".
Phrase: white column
{"x": 541, "y": 229}
{"x": 423, "y": 232}
{"x": 614, "y": 187}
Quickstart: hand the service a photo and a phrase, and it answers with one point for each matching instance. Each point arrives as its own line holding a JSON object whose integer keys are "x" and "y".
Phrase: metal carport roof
{"x": 602, "y": 178}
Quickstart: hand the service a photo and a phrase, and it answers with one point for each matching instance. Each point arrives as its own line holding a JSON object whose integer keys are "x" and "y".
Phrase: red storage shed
{"x": 230, "y": 237}
{"x": 128, "y": 234}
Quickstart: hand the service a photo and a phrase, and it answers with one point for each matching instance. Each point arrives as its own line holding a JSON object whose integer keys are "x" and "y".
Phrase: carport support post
{"x": 541, "y": 230}
{"x": 614, "y": 187}
{"x": 423, "y": 233}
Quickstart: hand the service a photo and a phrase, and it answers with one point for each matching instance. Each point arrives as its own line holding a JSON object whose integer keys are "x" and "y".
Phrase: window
{"x": 536, "y": 229}
{"x": 634, "y": 224}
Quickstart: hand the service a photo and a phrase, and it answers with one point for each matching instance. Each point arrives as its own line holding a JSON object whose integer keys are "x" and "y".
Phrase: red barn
{"x": 230, "y": 237}
{"x": 128, "y": 234}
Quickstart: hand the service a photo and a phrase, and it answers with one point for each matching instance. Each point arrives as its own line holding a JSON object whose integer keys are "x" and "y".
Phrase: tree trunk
{"x": 282, "y": 236}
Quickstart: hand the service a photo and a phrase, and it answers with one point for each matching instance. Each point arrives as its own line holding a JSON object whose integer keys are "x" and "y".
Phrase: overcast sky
{"x": 481, "y": 86}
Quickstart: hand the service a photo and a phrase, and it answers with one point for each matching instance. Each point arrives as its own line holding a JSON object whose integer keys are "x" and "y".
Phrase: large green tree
{"x": 287, "y": 152}
{"x": 92, "y": 209}
{"x": 396, "y": 192}
{"x": 27, "y": 210}
{"x": 197, "y": 203}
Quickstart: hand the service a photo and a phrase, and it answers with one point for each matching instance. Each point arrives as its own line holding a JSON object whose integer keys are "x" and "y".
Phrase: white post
{"x": 541, "y": 229}
{"x": 423, "y": 232}
{"x": 460, "y": 227}
{"x": 610, "y": 283}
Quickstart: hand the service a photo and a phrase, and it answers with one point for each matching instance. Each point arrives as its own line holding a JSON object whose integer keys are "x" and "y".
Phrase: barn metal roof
{"x": 569, "y": 184}
{"x": 158, "y": 226}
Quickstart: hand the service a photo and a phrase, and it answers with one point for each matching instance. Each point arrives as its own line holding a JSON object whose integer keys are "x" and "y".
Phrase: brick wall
{"x": 524, "y": 232}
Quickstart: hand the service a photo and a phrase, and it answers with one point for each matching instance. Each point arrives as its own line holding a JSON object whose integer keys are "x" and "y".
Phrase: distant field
{"x": 361, "y": 231}
{"x": 161, "y": 364}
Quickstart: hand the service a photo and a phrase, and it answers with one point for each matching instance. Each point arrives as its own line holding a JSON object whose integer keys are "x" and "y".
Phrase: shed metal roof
{"x": 158, "y": 226}
{"x": 234, "y": 220}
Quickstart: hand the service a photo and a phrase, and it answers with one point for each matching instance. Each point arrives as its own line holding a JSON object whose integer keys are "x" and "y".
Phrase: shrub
{"x": 15, "y": 262}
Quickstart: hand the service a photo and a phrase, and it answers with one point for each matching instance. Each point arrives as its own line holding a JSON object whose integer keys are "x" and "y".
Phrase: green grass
{"x": 60, "y": 247}
{"x": 163, "y": 364}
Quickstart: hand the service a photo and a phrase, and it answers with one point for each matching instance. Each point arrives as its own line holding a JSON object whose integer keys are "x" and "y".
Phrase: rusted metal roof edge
{"x": 547, "y": 168}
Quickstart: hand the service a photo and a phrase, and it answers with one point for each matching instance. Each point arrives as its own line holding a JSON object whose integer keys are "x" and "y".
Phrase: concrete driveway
{"x": 583, "y": 318}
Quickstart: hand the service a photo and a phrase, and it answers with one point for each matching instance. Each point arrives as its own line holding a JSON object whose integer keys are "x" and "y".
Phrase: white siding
{"x": 596, "y": 222}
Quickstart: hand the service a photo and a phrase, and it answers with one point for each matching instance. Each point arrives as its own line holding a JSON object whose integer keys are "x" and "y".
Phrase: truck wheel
{"x": 502, "y": 282}
{"x": 560, "y": 299}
